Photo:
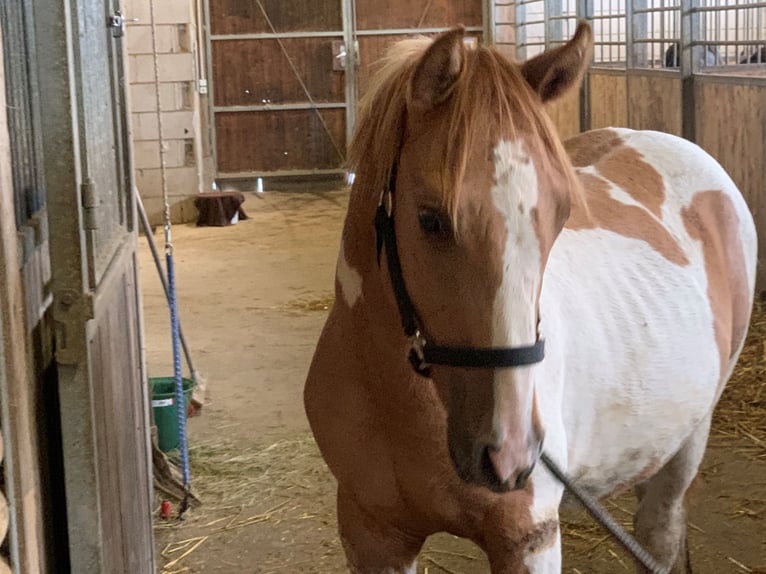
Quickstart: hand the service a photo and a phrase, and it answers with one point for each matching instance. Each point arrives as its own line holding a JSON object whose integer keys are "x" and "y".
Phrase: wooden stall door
{"x": 279, "y": 90}
{"x": 380, "y": 24}
{"x": 103, "y": 398}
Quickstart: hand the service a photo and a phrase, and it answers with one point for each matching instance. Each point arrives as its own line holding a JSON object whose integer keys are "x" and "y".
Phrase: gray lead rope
{"x": 602, "y": 517}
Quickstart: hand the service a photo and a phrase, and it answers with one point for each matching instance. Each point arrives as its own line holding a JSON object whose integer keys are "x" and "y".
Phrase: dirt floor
{"x": 253, "y": 298}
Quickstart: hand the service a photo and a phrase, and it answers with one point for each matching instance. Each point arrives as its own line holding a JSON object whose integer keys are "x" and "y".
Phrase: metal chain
{"x": 604, "y": 519}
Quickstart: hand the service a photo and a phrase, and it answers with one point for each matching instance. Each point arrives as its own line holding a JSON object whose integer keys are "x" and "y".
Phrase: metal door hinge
{"x": 89, "y": 204}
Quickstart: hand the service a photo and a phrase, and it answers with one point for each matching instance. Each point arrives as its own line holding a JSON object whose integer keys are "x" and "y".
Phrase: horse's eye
{"x": 434, "y": 223}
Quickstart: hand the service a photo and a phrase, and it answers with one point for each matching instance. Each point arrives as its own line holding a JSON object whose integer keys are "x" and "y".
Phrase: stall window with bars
{"x": 735, "y": 30}
{"x": 544, "y": 24}
{"x": 656, "y": 33}
{"x": 609, "y": 30}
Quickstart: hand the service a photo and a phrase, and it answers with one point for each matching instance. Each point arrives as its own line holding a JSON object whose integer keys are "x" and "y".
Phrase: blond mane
{"x": 491, "y": 94}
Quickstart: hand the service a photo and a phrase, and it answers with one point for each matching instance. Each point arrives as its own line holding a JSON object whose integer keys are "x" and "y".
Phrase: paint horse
{"x": 473, "y": 236}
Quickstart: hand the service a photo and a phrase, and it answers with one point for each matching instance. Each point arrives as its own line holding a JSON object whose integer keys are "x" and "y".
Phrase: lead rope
{"x": 604, "y": 519}
{"x": 174, "y": 326}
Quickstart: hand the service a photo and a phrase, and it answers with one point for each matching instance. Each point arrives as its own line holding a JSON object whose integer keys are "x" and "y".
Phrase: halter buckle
{"x": 416, "y": 353}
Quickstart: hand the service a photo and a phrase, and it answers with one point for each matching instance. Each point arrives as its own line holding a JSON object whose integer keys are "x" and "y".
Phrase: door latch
{"x": 117, "y": 23}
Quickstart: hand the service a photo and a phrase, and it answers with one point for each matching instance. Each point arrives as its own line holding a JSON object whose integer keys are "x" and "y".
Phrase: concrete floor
{"x": 251, "y": 298}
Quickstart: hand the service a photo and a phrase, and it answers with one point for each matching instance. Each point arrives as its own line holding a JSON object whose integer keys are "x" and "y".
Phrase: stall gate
{"x": 286, "y": 75}
{"x": 694, "y": 68}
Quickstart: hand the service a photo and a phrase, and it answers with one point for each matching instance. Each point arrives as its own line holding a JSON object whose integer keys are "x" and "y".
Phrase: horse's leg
{"x": 372, "y": 544}
{"x": 660, "y": 521}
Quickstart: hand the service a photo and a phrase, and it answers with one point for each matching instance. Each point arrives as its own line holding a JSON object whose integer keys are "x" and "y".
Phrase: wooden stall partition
{"x": 735, "y": 134}
{"x": 654, "y": 101}
{"x": 279, "y": 91}
{"x": 565, "y": 114}
{"x": 608, "y": 98}
{"x": 380, "y": 24}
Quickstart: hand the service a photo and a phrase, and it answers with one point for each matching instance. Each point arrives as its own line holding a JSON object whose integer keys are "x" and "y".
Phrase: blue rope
{"x": 180, "y": 402}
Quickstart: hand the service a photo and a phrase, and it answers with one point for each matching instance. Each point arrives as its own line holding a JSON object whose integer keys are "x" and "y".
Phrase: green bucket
{"x": 164, "y": 407}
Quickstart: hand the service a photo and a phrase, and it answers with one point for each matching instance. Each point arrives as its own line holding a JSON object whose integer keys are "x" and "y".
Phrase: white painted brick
{"x": 176, "y": 67}
{"x": 173, "y": 11}
{"x": 139, "y": 39}
{"x": 137, "y": 9}
{"x": 143, "y": 97}
{"x": 182, "y": 181}
{"x": 148, "y": 182}
{"x": 173, "y": 68}
{"x": 144, "y": 126}
{"x": 146, "y": 154}
{"x": 141, "y": 69}
{"x": 178, "y": 125}
{"x": 182, "y": 209}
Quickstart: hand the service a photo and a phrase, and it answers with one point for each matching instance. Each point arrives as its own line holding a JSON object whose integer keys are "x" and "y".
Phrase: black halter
{"x": 422, "y": 353}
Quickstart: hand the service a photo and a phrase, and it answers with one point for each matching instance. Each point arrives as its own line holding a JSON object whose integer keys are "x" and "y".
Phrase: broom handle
{"x": 150, "y": 238}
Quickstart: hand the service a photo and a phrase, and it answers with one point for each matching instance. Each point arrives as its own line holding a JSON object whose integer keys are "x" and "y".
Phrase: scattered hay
{"x": 319, "y": 304}
{"x": 741, "y": 412}
{"x": 280, "y": 485}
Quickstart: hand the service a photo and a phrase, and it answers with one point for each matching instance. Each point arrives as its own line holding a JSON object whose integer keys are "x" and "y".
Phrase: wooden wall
{"x": 654, "y": 102}
{"x": 265, "y": 71}
{"x": 731, "y": 126}
{"x": 608, "y": 99}
{"x": 565, "y": 114}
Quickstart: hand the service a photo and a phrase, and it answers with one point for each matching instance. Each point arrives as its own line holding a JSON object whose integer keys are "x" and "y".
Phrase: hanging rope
{"x": 174, "y": 325}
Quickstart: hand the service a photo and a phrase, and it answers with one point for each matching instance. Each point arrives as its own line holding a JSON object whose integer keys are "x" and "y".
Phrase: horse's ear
{"x": 555, "y": 72}
{"x": 437, "y": 72}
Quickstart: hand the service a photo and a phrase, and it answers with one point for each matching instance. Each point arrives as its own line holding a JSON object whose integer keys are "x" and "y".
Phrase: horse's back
{"x": 656, "y": 269}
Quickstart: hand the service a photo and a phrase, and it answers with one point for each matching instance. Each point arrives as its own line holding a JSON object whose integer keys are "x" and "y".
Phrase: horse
{"x": 500, "y": 292}
{"x": 707, "y": 56}
{"x": 758, "y": 56}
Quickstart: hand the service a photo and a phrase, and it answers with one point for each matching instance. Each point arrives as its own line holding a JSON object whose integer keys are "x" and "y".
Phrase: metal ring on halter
{"x": 417, "y": 344}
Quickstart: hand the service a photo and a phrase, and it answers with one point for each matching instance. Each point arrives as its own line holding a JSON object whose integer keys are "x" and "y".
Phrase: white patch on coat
{"x": 630, "y": 345}
{"x": 350, "y": 279}
{"x": 547, "y": 560}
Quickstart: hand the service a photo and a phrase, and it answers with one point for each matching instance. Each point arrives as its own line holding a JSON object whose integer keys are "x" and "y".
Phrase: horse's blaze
{"x": 712, "y": 220}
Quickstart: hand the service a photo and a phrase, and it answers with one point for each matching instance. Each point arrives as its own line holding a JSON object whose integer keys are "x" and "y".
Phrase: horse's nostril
{"x": 487, "y": 468}
{"x": 523, "y": 477}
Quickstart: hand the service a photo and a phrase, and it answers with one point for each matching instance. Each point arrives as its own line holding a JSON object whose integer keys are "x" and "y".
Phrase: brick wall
{"x": 187, "y": 149}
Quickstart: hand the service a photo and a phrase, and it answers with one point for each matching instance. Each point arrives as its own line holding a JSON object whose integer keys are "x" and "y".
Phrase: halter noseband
{"x": 423, "y": 354}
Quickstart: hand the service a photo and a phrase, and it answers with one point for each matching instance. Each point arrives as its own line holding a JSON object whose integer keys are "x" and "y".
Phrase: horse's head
{"x": 482, "y": 188}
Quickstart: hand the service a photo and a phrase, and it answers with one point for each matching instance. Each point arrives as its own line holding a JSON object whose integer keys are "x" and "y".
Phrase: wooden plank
{"x": 121, "y": 425}
{"x": 255, "y": 72}
{"x": 608, "y": 100}
{"x": 736, "y": 136}
{"x": 283, "y": 140}
{"x": 241, "y": 17}
{"x": 655, "y": 103}
{"x": 15, "y": 373}
{"x": 565, "y": 114}
{"x": 376, "y": 15}
{"x": 373, "y": 48}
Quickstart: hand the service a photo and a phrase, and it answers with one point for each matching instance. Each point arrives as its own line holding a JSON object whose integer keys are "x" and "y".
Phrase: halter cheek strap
{"x": 423, "y": 354}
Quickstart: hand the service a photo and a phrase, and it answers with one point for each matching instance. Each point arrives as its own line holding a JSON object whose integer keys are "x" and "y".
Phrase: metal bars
{"x": 735, "y": 29}
{"x": 655, "y": 34}
{"x": 609, "y": 20}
